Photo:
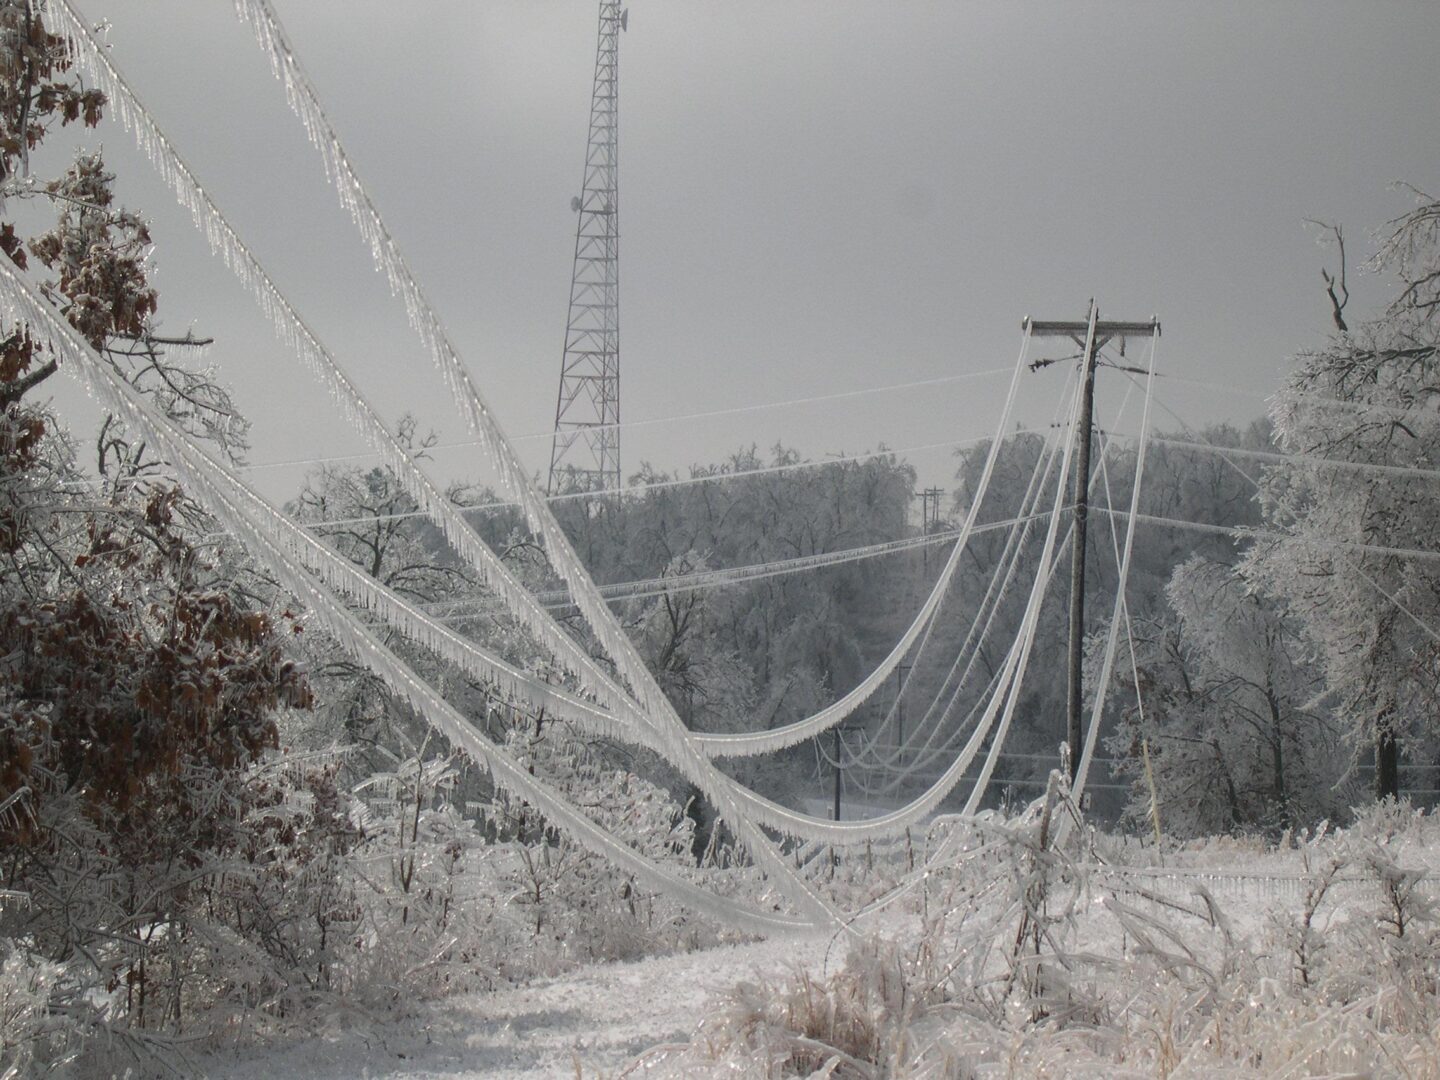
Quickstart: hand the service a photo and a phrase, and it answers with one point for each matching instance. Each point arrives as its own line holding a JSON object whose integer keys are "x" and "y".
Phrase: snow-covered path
{"x": 588, "y": 1023}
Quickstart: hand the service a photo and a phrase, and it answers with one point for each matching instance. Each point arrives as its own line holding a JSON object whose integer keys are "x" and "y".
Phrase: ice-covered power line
{"x": 702, "y": 580}
{"x": 656, "y": 711}
{"x": 1274, "y": 457}
{"x": 1249, "y": 532}
{"x": 224, "y": 494}
{"x": 681, "y": 418}
{"x": 1280, "y": 457}
{"x": 297, "y": 334}
{"x": 719, "y": 476}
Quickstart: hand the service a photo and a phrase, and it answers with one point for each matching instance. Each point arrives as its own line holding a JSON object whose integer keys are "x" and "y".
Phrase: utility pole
{"x": 1091, "y": 335}
{"x": 929, "y": 517}
{"x": 839, "y": 731}
{"x": 902, "y": 671}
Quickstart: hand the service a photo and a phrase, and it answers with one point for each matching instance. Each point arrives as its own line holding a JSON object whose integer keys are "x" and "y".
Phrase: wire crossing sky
{"x": 820, "y": 197}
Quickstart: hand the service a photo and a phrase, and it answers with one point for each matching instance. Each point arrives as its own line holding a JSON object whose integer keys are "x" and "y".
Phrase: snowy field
{"x": 1317, "y": 958}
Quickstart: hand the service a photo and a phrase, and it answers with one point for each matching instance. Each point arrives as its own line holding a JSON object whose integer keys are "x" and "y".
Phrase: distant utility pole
{"x": 1091, "y": 335}
{"x": 902, "y": 671}
{"x": 929, "y": 517}
{"x": 839, "y": 731}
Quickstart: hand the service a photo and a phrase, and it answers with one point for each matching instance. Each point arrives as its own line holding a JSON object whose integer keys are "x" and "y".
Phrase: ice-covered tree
{"x": 1359, "y": 419}
{"x": 142, "y": 680}
{"x": 1227, "y": 714}
{"x": 97, "y": 251}
{"x": 366, "y": 515}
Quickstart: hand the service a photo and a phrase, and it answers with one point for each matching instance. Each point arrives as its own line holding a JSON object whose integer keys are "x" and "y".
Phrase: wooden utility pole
{"x": 839, "y": 731}
{"x": 1091, "y": 335}
{"x": 929, "y": 517}
{"x": 902, "y": 672}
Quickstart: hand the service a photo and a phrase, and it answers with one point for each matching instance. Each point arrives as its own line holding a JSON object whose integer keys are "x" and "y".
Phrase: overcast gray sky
{"x": 815, "y": 197}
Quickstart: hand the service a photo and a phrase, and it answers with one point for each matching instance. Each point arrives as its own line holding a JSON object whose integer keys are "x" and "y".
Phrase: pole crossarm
{"x": 1077, "y": 328}
{"x": 1105, "y": 332}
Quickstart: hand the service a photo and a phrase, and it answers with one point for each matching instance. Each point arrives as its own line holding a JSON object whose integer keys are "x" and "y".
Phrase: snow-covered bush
{"x": 1317, "y": 956}
{"x": 860, "y": 1022}
{"x": 33, "y": 1040}
{"x": 423, "y": 888}
{"x": 574, "y": 905}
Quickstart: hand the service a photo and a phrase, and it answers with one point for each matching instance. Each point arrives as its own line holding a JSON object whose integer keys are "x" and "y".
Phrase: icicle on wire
{"x": 678, "y": 747}
{"x": 1019, "y": 528}
{"x": 304, "y": 100}
{"x": 216, "y": 485}
{"x": 296, "y": 334}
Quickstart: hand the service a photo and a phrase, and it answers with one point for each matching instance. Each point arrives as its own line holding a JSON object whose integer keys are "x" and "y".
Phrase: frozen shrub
{"x": 33, "y": 1040}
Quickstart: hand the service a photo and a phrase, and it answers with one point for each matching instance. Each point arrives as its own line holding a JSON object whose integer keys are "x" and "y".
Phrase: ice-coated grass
{"x": 1097, "y": 955}
{"x": 1319, "y": 956}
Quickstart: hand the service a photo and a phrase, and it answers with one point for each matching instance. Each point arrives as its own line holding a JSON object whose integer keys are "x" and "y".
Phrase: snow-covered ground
{"x": 1315, "y": 958}
{"x": 589, "y": 1023}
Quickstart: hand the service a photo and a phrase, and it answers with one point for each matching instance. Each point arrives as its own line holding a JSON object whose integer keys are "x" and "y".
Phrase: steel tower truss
{"x": 585, "y": 450}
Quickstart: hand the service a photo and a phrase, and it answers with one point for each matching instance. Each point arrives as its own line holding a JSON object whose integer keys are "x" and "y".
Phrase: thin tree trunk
{"x": 1277, "y": 761}
{"x": 1387, "y": 759}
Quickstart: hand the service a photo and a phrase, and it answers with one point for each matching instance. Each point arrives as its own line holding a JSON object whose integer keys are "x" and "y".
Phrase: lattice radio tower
{"x": 585, "y": 449}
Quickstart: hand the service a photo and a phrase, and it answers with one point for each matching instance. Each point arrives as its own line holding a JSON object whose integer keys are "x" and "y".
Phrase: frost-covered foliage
{"x": 1230, "y": 732}
{"x": 576, "y": 905}
{"x": 33, "y": 1040}
{"x": 140, "y": 688}
{"x": 35, "y": 90}
{"x": 1366, "y": 399}
{"x": 457, "y": 884}
{"x": 401, "y": 890}
{"x": 1088, "y": 955}
{"x": 142, "y": 679}
{"x": 765, "y": 653}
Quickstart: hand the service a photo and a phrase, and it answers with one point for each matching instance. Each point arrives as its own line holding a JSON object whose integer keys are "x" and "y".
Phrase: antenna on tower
{"x": 585, "y": 449}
